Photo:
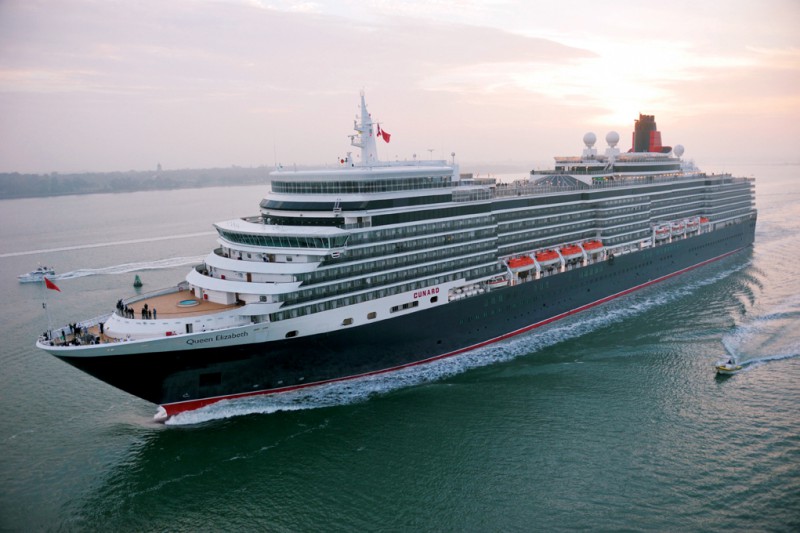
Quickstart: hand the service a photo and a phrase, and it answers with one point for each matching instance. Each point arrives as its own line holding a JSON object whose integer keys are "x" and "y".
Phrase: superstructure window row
{"x": 403, "y": 232}
{"x": 364, "y": 283}
{"x": 270, "y": 205}
{"x": 361, "y": 187}
{"x": 627, "y": 238}
{"x": 392, "y": 262}
{"x": 630, "y": 228}
{"x": 533, "y": 221}
{"x": 284, "y": 241}
{"x": 420, "y": 215}
{"x": 378, "y": 250}
{"x": 532, "y": 235}
{"x": 585, "y": 206}
{"x": 481, "y": 271}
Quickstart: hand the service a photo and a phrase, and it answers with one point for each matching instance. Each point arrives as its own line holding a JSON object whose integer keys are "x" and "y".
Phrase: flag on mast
{"x": 50, "y": 285}
{"x": 383, "y": 134}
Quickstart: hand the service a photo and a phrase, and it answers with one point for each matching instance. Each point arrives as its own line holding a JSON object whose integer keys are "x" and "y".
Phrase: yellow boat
{"x": 728, "y": 367}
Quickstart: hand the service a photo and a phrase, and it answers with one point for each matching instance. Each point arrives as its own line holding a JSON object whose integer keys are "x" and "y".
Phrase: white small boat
{"x": 728, "y": 367}
{"x": 496, "y": 283}
{"x": 36, "y": 276}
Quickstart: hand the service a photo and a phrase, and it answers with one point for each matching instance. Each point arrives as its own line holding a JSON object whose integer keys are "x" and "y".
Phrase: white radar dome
{"x": 589, "y": 139}
{"x": 612, "y": 138}
{"x": 678, "y": 150}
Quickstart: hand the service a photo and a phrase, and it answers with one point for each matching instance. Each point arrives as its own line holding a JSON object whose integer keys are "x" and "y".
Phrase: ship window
{"x": 347, "y": 321}
{"x": 372, "y": 315}
{"x": 434, "y": 299}
{"x": 291, "y": 334}
{"x": 405, "y": 306}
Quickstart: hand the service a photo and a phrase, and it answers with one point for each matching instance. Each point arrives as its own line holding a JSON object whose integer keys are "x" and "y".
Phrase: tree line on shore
{"x": 16, "y": 185}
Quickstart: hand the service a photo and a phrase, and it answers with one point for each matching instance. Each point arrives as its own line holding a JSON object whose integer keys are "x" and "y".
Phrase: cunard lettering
{"x": 426, "y": 292}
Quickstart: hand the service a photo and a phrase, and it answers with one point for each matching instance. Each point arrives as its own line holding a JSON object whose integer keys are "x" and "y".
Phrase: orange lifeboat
{"x": 593, "y": 246}
{"x": 571, "y": 251}
{"x": 547, "y": 257}
{"x": 703, "y": 220}
{"x": 520, "y": 262}
{"x": 662, "y": 232}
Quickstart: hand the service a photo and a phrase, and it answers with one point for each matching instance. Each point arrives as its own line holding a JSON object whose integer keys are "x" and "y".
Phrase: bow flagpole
{"x": 49, "y": 285}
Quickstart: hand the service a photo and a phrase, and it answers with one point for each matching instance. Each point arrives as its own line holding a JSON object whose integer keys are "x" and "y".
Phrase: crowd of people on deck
{"x": 128, "y": 311}
{"x": 80, "y": 333}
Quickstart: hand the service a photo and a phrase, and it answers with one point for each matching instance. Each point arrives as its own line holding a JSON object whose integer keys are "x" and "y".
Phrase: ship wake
{"x": 771, "y": 336}
{"x": 127, "y": 268}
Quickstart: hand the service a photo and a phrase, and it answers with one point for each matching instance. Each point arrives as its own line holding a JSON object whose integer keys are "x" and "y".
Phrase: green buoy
{"x": 137, "y": 282}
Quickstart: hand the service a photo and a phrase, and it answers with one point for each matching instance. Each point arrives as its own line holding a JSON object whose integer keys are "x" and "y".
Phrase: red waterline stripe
{"x": 190, "y": 405}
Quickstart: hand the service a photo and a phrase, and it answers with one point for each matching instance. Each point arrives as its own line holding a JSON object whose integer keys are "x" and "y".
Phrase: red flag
{"x": 50, "y": 285}
{"x": 383, "y": 134}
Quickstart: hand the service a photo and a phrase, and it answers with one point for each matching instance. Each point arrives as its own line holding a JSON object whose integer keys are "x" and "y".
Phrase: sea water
{"x": 608, "y": 420}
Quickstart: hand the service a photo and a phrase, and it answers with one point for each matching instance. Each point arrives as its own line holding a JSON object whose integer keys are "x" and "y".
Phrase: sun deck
{"x": 176, "y": 305}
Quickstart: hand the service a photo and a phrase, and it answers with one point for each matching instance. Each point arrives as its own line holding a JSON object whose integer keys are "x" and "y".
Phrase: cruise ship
{"x": 372, "y": 266}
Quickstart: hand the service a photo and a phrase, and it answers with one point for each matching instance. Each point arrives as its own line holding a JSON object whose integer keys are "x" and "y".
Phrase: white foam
{"x": 129, "y": 267}
{"x": 770, "y": 336}
{"x": 104, "y": 244}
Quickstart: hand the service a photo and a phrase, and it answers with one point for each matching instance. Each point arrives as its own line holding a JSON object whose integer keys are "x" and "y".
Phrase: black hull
{"x": 192, "y": 378}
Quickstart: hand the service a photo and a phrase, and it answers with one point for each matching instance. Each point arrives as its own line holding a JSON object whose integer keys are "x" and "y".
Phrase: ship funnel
{"x": 646, "y": 137}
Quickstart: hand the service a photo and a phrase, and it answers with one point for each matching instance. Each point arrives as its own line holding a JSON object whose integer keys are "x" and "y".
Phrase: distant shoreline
{"x": 15, "y": 185}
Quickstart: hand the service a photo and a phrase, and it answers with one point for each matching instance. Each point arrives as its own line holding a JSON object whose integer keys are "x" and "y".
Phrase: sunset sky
{"x": 103, "y": 85}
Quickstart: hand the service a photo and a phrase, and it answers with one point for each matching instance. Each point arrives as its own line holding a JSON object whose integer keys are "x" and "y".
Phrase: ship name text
{"x": 204, "y": 340}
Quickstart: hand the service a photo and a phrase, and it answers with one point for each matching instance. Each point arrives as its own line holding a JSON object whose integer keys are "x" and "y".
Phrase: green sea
{"x": 610, "y": 420}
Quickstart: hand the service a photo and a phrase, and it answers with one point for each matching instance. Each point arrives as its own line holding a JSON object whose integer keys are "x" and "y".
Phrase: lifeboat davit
{"x": 548, "y": 257}
{"x": 520, "y": 262}
{"x": 692, "y": 225}
{"x": 662, "y": 232}
{"x": 678, "y": 228}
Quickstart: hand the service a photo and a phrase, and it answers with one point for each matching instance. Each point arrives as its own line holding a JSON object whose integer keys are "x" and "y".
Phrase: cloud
{"x": 208, "y": 83}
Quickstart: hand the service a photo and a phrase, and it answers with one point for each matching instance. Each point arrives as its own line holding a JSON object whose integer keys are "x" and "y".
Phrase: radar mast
{"x": 365, "y": 136}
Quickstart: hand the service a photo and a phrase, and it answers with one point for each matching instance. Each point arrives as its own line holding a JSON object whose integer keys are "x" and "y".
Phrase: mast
{"x": 46, "y": 309}
{"x": 365, "y": 136}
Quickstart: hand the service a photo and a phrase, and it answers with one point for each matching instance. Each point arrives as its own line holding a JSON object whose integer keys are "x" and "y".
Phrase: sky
{"x": 107, "y": 85}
